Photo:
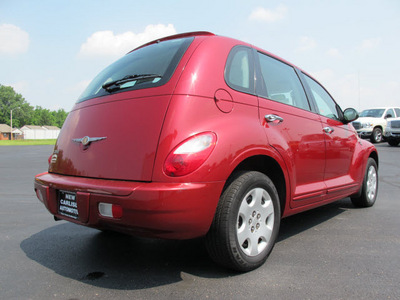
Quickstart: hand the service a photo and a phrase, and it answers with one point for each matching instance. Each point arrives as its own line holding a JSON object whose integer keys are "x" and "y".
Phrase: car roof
{"x": 212, "y": 35}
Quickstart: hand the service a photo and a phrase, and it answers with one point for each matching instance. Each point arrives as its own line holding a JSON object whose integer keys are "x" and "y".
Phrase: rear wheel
{"x": 369, "y": 189}
{"x": 376, "y": 136}
{"x": 246, "y": 222}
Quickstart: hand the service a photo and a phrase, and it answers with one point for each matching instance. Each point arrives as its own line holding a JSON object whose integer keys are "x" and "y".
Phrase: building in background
{"x": 5, "y": 132}
{"x": 33, "y": 132}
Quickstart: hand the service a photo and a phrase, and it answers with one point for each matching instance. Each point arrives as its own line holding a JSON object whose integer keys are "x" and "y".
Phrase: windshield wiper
{"x": 117, "y": 83}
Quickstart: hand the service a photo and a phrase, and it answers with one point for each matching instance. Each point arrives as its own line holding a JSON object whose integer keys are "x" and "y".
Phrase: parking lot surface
{"x": 333, "y": 252}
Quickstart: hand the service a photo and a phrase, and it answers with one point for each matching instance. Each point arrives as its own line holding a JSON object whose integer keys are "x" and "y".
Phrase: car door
{"x": 340, "y": 141}
{"x": 292, "y": 128}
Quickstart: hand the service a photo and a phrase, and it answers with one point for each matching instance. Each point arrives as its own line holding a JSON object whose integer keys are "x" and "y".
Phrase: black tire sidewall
{"x": 393, "y": 143}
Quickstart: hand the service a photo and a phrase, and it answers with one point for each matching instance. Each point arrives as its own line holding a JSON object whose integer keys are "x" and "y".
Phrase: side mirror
{"x": 388, "y": 116}
{"x": 349, "y": 115}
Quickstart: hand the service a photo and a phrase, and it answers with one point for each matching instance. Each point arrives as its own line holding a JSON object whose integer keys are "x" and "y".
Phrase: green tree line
{"x": 25, "y": 114}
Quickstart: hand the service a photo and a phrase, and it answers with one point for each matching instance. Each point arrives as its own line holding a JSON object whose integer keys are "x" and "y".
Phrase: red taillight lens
{"x": 190, "y": 154}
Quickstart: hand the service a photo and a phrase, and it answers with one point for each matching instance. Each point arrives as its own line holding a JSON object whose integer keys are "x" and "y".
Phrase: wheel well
{"x": 268, "y": 166}
{"x": 374, "y": 155}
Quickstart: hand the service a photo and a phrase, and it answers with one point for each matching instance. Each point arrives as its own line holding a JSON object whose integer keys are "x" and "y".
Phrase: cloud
{"x": 370, "y": 43}
{"x": 79, "y": 87}
{"x": 13, "y": 40}
{"x": 306, "y": 44}
{"x": 106, "y": 43}
{"x": 267, "y": 15}
{"x": 333, "y": 52}
{"x": 325, "y": 75}
{"x": 20, "y": 87}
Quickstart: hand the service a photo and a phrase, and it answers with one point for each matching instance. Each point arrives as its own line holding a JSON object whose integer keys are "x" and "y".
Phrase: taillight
{"x": 190, "y": 154}
{"x": 52, "y": 159}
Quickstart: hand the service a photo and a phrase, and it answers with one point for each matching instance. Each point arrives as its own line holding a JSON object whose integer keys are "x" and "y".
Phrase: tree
{"x": 60, "y": 116}
{"x": 10, "y": 100}
{"x": 24, "y": 113}
{"x": 42, "y": 116}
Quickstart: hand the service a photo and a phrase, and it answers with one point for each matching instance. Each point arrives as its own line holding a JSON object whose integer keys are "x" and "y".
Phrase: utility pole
{"x": 11, "y": 133}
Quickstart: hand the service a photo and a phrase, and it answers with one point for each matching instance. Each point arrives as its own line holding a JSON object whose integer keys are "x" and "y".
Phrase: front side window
{"x": 390, "y": 113}
{"x": 145, "y": 67}
{"x": 281, "y": 83}
{"x": 239, "y": 70}
{"x": 326, "y": 105}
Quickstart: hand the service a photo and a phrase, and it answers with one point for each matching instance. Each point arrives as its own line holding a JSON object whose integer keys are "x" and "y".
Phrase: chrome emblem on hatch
{"x": 85, "y": 141}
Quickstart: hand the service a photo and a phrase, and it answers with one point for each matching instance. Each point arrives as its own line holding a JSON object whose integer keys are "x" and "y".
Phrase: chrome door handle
{"x": 273, "y": 118}
{"x": 329, "y": 130}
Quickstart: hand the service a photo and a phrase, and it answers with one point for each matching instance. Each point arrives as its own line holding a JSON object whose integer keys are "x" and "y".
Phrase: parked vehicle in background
{"x": 392, "y": 132}
{"x": 372, "y": 122}
{"x": 201, "y": 135}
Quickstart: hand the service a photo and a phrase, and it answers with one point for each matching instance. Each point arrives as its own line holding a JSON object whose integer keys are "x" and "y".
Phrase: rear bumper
{"x": 165, "y": 210}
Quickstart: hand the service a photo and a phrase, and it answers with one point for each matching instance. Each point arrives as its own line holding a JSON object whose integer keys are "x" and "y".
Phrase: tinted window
{"x": 397, "y": 112}
{"x": 325, "y": 104}
{"x": 159, "y": 58}
{"x": 281, "y": 83}
{"x": 239, "y": 70}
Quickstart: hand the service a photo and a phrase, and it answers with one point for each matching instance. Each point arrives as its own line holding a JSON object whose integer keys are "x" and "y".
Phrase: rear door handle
{"x": 273, "y": 118}
{"x": 329, "y": 130}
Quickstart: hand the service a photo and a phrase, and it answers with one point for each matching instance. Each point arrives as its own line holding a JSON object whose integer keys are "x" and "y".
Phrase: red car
{"x": 201, "y": 135}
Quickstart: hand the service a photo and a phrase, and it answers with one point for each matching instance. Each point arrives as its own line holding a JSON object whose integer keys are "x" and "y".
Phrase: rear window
{"x": 146, "y": 67}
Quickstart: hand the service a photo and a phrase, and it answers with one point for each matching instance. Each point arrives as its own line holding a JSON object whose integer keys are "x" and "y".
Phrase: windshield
{"x": 372, "y": 113}
{"x": 159, "y": 58}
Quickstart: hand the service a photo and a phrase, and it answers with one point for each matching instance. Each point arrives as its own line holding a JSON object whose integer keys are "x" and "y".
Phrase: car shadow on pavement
{"x": 298, "y": 223}
{"x": 117, "y": 261}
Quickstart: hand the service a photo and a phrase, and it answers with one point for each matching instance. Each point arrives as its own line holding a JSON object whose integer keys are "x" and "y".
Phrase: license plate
{"x": 67, "y": 205}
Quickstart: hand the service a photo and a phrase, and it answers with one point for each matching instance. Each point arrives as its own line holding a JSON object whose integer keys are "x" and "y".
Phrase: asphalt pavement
{"x": 333, "y": 252}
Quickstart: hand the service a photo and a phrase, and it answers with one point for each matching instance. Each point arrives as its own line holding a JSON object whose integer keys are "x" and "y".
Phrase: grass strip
{"x": 26, "y": 142}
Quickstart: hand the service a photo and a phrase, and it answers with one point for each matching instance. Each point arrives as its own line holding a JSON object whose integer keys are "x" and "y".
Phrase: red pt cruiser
{"x": 201, "y": 135}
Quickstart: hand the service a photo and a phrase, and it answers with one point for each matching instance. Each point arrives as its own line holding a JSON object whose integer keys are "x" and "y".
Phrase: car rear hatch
{"x": 113, "y": 140}
{"x": 113, "y": 130}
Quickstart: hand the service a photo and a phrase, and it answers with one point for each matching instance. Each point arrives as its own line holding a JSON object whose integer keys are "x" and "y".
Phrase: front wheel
{"x": 369, "y": 189}
{"x": 377, "y": 135}
{"x": 393, "y": 143}
{"x": 246, "y": 222}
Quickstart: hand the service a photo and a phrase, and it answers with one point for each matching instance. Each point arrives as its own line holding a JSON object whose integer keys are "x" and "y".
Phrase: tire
{"x": 393, "y": 143}
{"x": 369, "y": 189}
{"x": 376, "y": 136}
{"x": 246, "y": 222}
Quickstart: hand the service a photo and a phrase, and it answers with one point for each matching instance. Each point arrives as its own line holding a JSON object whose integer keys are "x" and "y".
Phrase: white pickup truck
{"x": 372, "y": 122}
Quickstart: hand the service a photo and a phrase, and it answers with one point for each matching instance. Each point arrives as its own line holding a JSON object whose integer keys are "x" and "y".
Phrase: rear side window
{"x": 397, "y": 110}
{"x": 145, "y": 67}
{"x": 239, "y": 70}
{"x": 280, "y": 82}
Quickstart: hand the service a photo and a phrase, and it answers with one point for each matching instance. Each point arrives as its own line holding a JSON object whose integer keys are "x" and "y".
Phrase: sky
{"x": 51, "y": 49}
